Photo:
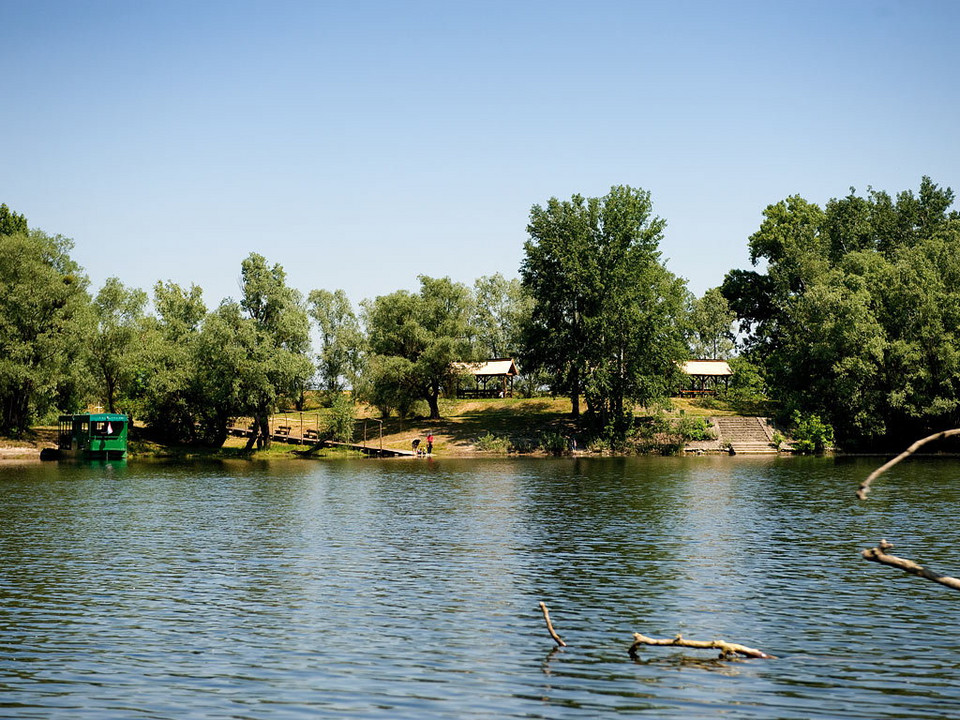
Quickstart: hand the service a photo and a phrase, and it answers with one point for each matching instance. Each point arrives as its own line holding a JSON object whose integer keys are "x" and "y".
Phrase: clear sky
{"x": 361, "y": 143}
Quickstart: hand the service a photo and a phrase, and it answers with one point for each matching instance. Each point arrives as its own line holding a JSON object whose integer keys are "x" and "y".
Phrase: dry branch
{"x": 553, "y": 633}
{"x": 879, "y": 555}
{"x": 727, "y": 650}
{"x": 865, "y": 485}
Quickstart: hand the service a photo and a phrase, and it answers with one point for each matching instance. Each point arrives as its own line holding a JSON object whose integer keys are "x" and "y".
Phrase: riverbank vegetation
{"x": 847, "y": 329}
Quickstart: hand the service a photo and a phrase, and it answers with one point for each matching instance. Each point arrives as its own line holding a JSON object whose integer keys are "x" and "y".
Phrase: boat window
{"x": 106, "y": 427}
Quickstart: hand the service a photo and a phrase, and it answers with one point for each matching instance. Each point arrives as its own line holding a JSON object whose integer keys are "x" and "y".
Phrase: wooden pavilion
{"x": 492, "y": 378}
{"x": 705, "y": 376}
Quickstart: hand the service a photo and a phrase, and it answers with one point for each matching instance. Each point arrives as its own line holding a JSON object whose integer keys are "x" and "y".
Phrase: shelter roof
{"x": 716, "y": 368}
{"x": 497, "y": 366}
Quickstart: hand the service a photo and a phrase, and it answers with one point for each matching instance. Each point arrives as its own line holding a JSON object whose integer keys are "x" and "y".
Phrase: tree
{"x": 12, "y": 223}
{"x": 44, "y": 323}
{"x": 169, "y": 394}
{"x": 413, "y": 339}
{"x": 607, "y": 314}
{"x": 119, "y": 315}
{"x": 501, "y": 310}
{"x": 855, "y": 317}
{"x": 277, "y": 341}
{"x": 711, "y": 320}
{"x": 341, "y": 340}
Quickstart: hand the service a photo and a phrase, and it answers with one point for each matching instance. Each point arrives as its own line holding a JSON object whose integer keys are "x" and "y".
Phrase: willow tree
{"x": 413, "y": 339}
{"x": 44, "y": 323}
{"x": 608, "y": 316}
{"x": 277, "y": 339}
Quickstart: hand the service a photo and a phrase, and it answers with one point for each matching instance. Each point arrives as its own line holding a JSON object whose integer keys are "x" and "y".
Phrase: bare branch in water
{"x": 865, "y": 485}
{"x": 553, "y": 633}
{"x": 727, "y": 650}
{"x": 879, "y": 555}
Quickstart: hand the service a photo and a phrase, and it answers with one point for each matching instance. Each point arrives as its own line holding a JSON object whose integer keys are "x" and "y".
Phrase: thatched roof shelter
{"x": 705, "y": 376}
{"x": 483, "y": 371}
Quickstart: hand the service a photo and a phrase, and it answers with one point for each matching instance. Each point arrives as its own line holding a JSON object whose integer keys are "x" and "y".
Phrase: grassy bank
{"x": 466, "y": 428}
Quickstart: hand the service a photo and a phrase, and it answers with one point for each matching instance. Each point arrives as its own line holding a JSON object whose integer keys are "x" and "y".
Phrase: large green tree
{"x": 413, "y": 339}
{"x": 608, "y": 315}
{"x": 117, "y": 339}
{"x": 710, "y": 329}
{"x": 341, "y": 339}
{"x": 855, "y": 314}
{"x": 170, "y": 396}
{"x": 277, "y": 340}
{"x": 502, "y": 308}
{"x": 45, "y": 323}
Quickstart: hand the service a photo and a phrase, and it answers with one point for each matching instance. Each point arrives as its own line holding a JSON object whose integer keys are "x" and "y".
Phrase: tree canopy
{"x": 856, "y": 315}
{"x": 607, "y": 319}
{"x": 45, "y": 323}
{"x": 413, "y": 340}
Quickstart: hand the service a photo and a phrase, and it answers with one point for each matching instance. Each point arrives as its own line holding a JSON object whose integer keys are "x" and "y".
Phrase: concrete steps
{"x": 745, "y": 435}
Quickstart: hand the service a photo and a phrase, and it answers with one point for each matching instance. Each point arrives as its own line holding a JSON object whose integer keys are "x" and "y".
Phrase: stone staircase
{"x": 745, "y": 435}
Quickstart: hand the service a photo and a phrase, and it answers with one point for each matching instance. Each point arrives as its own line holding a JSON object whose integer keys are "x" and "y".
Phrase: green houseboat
{"x": 99, "y": 436}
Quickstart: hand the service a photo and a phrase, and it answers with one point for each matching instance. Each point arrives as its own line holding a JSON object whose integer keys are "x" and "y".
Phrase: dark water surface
{"x": 409, "y": 589}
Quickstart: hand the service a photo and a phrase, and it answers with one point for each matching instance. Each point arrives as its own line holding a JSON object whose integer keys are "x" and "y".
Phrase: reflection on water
{"x": 410, "y": 589}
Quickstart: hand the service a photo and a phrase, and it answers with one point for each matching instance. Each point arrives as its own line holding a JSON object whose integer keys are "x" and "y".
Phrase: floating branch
{"x": 865, "y": 485}
{"x": 879, "y": 555}
{"x": 727, "y": 650}
{"x": 553, "y": 633}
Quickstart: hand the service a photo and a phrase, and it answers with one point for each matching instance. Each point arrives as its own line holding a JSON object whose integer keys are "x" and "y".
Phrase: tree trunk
{"x": 433, "y": 400}
{"x": 575, "y": 393}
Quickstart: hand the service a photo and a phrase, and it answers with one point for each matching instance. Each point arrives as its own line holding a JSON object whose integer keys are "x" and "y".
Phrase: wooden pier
{"x": 293, "y": 435}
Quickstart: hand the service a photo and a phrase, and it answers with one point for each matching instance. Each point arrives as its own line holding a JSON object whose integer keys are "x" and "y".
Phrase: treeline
{"x": 853, "y": 319}
{"x": 855, "y": 316}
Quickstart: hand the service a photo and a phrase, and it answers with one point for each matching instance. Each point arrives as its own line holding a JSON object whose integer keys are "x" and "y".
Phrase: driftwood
{"x": 727, "y": 650}
{"x": 553, "y": 633}
{"x": 879, "y": 555}
{"x": 865, "y": 485}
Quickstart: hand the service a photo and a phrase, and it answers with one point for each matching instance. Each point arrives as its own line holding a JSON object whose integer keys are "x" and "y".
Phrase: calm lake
{"x": 409, "y": 589}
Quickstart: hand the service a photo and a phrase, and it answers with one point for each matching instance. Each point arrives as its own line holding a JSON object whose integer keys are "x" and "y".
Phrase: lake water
{"x": 409, "y": 589}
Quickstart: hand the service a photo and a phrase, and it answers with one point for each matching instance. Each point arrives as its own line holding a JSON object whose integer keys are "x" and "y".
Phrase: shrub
{"x": 554, "y": 443}
{"x": 342, "y": 418}
{"x": 810, "y": 433}
{"x": 493, "y": 443}
{"x": 693, "y": 428}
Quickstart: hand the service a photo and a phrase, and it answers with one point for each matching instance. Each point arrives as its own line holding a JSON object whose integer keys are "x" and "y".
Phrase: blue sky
{"x": 362, "y": 143}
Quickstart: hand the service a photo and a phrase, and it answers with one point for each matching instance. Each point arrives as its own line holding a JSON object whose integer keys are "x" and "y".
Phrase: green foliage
{"x": 693, "y": 428}
{"x": 810, "y": 434}
{"x": 45, "y": 324}
{"x": 747, "y": 392}
{"x": 501, "y": 309}
{"x": 413, "y": 340}
{"x": 12, "y": 223}
{"x": 342, "y": 418}
{"x": 118, "y": 340}
{"x": 493, "y": 444}
{"x": 711, "y": 322}
{"x": 856, "y": 317}
{"x": 275, "y": 335}
{"x": 341, "y": 340}
{"x": 554, "y": 443}
{"x": 607, "y": 319}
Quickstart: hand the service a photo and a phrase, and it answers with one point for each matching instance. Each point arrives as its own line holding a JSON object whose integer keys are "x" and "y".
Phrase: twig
{"x": 879, "y": 555}
{"x": 727, "y": 650}
{"x": 553, "y": 633}
{"x": 865, "y": 485}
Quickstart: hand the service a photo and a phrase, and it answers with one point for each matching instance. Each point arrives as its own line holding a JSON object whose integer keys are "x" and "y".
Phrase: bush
{"x": 493, "y": 443}
{"x": 810, "y": 434}
{"x": 342, "y": 418}
{"x": 554, "y": 443}
{"x": 693, "y": 428}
